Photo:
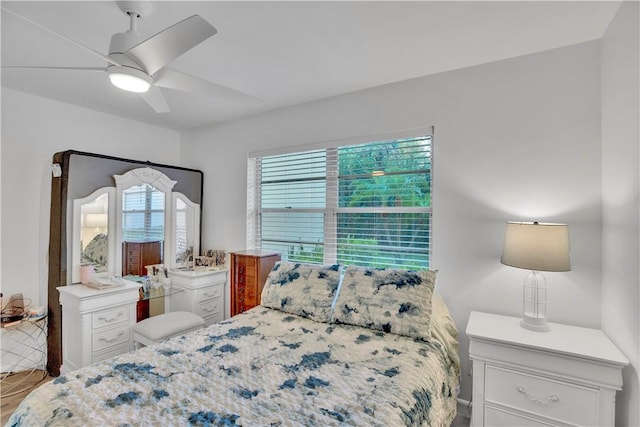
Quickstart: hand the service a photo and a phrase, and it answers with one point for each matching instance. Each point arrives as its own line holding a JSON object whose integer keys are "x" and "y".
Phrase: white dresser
{"x": 96, "y": 324}
{"x": 204, "y": 293}
{"x": 565, "y": 377}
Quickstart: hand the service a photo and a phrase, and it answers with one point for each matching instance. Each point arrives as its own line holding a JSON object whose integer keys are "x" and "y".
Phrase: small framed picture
{"x": 200, "y": 262}
{"x": 216, "y": 257}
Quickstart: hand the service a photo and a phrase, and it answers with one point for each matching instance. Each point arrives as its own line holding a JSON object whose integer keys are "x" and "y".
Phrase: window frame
{"x": 331, "y": 209}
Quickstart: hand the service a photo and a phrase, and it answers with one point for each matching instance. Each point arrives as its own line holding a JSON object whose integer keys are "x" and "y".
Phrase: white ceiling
{"x": 287, "y": 52}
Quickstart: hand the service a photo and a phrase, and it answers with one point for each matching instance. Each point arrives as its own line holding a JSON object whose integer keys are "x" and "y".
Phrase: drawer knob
{"x": 538, "y": 400}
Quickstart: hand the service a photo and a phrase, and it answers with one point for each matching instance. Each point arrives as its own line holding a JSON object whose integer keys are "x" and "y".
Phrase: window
{"x": 365, "y": 204}
{"x": 142, "y": 214}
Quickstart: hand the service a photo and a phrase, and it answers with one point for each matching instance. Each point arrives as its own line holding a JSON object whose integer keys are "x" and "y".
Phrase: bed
{"x": 325, "y": 347}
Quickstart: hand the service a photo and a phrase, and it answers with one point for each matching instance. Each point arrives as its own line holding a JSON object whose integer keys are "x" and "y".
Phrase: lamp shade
{"x": 536, "y": 246}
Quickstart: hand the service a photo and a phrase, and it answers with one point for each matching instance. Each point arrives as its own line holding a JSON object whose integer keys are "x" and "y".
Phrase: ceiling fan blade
{"x": 80, "y": 45}
{"x": 156, "y": 100}
{"x": 37, "y": 67}
{"x": 165, "y": 46}
{"x": 175, "y": 80}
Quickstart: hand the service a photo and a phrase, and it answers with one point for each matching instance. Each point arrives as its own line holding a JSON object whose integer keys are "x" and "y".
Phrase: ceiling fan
{"x": 139, "y": 65}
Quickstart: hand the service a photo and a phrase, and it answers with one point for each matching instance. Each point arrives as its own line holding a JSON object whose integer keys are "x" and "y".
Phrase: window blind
{"x": 365, "y": 204}
{"x": 181, "y": 229}
{"x": 142, "y": 214}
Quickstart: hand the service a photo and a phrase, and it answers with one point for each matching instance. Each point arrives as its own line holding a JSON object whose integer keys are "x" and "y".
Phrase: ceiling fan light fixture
{"x": 129, "y": 79}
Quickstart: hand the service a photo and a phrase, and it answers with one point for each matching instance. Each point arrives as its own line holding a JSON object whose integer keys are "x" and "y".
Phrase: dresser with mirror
{"x": 115, "y": 215}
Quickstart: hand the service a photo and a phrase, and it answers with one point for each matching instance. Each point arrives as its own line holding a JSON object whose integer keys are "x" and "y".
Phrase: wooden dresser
{"x": 136, "y": 255}
{"x": 249, "y": 271}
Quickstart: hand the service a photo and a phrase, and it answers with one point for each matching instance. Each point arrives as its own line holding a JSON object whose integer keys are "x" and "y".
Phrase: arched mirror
{"x": 186, "y": 231}
{"x": 144, "y": 219}
{"x": 93, "y": 233}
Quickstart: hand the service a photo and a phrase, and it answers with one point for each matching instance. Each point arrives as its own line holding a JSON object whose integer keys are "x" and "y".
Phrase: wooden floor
{"x": 15, "y": 387}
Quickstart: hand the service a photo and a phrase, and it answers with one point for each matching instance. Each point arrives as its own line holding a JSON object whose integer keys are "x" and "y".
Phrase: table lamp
{"x": 537, "y": 247}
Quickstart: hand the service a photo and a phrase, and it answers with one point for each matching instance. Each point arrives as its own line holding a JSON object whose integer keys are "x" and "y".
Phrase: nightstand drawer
{"x": 543, "y": 396}
{"x": 110, "y": 337}
{"x": 212, "y": 307}
{"x": 500, "y": 417}
{"x": 112, "y": 352}
{"x": 209, "y": 292}
{"x": 109, "y": 317}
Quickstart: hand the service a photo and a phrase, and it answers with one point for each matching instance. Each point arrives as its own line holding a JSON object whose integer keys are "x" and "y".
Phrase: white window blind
{"x": 367, "y": 204}
{"x": 142, "y": 214}
{"x": 181, "y": 229}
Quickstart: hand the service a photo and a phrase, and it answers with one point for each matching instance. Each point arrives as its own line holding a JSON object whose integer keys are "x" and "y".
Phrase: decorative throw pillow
{"x": 307, "y": 290}
{"x": 395, "y": 301}
{"x": 95, "y": 253}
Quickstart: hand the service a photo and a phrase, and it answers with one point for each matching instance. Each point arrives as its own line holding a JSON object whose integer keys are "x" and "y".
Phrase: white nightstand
{"x": 565, "y": 377}
{"x": 203, "y": 293}
{"x": 96, "y": 324}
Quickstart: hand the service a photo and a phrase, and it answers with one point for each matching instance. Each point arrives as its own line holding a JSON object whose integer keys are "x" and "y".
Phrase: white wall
{"x": 621, "y": 199}
{"x": 33, "y": 129}
{"x": 514, "y": 140}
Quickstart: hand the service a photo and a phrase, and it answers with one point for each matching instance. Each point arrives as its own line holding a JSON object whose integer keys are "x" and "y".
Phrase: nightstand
{"x": 567, "y": 376}
{"x": 96, "y": 324}
{"x": 203, "y": 293}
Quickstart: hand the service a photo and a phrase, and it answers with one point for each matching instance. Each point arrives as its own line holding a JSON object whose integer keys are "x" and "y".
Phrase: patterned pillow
{"x": 307, "y": 290}
{"x": 95, "y": 253}
{"x": 396, "y": 301}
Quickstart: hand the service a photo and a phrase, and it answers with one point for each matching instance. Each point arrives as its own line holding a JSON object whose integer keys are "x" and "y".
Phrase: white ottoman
{"x": 164, "y": 326}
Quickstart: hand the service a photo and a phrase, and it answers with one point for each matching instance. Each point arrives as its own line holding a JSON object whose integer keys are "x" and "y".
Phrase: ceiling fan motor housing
{"x": 140, "y": 8}
{"x": 122, "y": 42}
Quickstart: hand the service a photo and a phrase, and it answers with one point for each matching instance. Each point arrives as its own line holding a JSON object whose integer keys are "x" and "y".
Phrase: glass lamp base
{"x": 535, "y": 324}
{"x": 534, "y": 302}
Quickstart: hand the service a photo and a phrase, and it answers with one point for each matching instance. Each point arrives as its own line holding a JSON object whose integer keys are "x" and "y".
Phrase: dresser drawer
{"x": 110, "y": 337}
{"x": 109, "y": 317}
{"x": 500, "y": 417}
{"x": 112, "y": 352}
{"x": 210, "y": 292}
{"x": 213, "y": 307}
{"x": 247, "y": 261}
{"x": 538, "y": 395}
{"x": 246, "y": 268}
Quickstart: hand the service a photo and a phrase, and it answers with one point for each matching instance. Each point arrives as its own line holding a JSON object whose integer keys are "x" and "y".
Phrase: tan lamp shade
{"x": 536, "y": 246}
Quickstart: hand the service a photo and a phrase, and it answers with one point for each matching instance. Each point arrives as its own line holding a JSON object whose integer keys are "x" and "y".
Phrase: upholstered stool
{"x": 164, "y": 326}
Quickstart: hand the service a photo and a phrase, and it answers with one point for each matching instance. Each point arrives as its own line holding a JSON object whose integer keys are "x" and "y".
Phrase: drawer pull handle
{"x": 538, "y": 400}
{"x": 111, "y": 339}
{"x": 110, "y": 319}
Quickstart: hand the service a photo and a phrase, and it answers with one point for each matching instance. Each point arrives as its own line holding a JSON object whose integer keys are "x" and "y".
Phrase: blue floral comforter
{"x": 261, "y": 368}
